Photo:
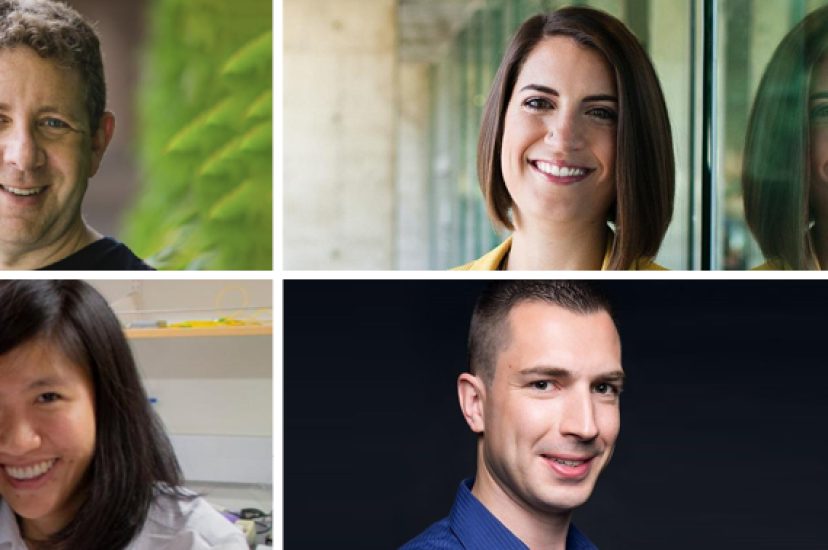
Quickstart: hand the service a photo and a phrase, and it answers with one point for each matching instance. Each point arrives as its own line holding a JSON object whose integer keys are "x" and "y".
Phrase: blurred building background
{"x": 382, "y": 102}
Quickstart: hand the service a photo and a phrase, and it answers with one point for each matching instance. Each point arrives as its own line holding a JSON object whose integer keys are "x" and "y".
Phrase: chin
{"x": 564, "y": 499}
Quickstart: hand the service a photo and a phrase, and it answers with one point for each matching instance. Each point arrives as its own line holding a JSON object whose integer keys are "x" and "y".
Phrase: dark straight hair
{"x": 644, "y": 161}
{"x": 776, "y": 168}
{"x": 134, "y": 461}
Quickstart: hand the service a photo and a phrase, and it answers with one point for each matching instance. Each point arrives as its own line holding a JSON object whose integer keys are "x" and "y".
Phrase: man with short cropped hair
{"x": 542, "y": 393}
{"x": 54, "y": 131}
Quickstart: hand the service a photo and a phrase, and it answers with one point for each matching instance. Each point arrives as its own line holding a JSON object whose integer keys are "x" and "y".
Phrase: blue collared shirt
{"x": 470, "y": 526}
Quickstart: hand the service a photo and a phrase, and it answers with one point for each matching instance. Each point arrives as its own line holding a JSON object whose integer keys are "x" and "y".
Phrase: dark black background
{"x": 723, "y": 419}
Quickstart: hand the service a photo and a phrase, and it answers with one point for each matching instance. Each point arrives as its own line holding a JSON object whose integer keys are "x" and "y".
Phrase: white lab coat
{"x": 170, "y": 525}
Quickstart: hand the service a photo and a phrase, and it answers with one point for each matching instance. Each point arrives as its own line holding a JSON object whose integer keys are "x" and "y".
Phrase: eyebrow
{"x": 46, "y": 109}
{"x": 47, "y": 382}
{"x": 819, "y": 95}
{"x": 559, "y": 372}
{"x": 554, "y": 92}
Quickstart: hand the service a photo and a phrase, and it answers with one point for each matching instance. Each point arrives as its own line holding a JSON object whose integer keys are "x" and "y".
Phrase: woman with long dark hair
{"x": 84, "y": 460}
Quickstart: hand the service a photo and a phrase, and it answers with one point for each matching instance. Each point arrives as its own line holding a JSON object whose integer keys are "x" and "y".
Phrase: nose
{"x": 17, "y": 436}
{"x": 578, "y": 418}
{"x": 565, "y": 132}
{"x": 21, "y": 149}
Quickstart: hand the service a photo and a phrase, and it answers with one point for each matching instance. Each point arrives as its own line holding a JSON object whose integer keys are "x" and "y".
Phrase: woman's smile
{"x": 561, "y": 173}
{"x": 31, "y": 476}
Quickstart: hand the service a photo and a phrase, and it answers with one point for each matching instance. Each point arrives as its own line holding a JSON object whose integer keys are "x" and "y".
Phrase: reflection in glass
{"x": 785, "y": 166}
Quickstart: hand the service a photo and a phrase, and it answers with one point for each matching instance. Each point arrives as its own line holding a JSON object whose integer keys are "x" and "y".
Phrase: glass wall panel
{"x": 764, "y": 190}
{"x": 460, "y": 229}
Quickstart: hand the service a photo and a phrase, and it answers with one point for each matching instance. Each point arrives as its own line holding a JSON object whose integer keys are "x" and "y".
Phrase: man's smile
{"x": 23, "y": 191}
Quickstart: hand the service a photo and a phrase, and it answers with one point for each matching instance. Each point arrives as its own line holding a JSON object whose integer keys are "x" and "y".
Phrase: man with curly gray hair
{"x": 54, "y": 130}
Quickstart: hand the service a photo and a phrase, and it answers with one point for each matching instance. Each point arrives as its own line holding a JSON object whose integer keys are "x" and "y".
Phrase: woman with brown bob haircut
{"x": 785, "y": 165}
{"x": 575, "y": 136}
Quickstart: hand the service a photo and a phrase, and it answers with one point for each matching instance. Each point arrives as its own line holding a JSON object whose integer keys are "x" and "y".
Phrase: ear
{"x": 100, "y": 141}
{"x": 472, "y": 394}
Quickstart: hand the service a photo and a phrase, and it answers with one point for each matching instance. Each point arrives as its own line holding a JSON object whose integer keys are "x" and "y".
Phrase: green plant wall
{"x": 205, "y": 137}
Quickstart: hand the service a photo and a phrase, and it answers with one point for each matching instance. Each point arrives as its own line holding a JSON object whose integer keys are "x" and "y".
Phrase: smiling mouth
{"x": 570, "y": 463}
{"x": 23, "y": 192}
{"x": 574, "y": 173}
{"x": 26, "y": 473}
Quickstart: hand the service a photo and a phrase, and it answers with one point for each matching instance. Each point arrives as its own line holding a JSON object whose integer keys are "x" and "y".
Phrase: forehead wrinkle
{"x": 55, "y": 96}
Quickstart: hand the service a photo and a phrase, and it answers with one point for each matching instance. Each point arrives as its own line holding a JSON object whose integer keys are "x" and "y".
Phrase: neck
{"x": 41, "y": 254}
{"x": 536, "y": 529}
{"x": 558, "y": 247}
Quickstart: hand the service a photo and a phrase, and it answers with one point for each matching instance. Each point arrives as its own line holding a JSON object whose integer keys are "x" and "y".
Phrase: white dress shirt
{"x": 170, "y": 525}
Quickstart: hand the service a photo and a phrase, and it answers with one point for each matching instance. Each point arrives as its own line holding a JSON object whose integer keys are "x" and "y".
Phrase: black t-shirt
{"x": 106, "y": 254}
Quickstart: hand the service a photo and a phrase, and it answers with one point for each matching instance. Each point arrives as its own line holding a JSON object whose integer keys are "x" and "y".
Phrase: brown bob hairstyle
{"x": 644, "y": 166}
{"x": 776, "y": 167}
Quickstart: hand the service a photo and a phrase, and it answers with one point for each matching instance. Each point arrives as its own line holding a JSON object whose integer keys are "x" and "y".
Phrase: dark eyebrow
{"x": 556, "y": 372}
{"x": 819, "y": 95}
{"x": 554, "y": 92}
{"x": 559, "y": 372}
{"x": 47, "y": 109}
{"x": 47, "y": 382}
{"x": 614, "y": 376}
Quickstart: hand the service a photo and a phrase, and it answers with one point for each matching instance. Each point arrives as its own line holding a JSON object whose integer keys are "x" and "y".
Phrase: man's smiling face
{"x": 552, "y": 409}
{"x": 48, "y": 152}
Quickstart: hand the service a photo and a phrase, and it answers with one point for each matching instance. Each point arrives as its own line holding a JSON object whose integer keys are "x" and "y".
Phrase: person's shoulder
{"x": 105, "y": 254}
{"x": 188, "y": 524}
{"x": 490, "y": 261}
{"x": 771, "y": 265}
{"x": 437, "y": 537}
{"x": 649, "y": 265}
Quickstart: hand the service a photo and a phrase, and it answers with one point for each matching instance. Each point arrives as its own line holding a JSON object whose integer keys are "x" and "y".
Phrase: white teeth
{"x": 23, "y": 192}
{"x": 571, "y": 463}
{"x": 30, "y": 472}
{"x": 555, "y": 170}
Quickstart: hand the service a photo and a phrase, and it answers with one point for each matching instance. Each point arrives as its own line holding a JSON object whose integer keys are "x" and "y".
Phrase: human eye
{"x": 541, "y": 385}
{"x": 607, "y": 389}
{"x": 48, "y": 397}
{"x": 603, "y": 114}
{"x": 55, "y": 123}
{"x": 538, "y": 104}
{"x": 820, "y": 113}
{"x": 54, "y": 126}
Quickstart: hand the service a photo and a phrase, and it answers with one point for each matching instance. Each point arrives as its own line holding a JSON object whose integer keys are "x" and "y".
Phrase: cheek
{"x": 75, "y": 433}
{"x": 604, "y": 148}
{"x": 609, "y": 424}
{"x": 819, "y": 154}
{"x": 519, "y": 133}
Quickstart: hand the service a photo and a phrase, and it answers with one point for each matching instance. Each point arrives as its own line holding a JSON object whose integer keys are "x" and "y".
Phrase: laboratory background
{"x": 382, "y": 105}
{"x": 205, "y": 351}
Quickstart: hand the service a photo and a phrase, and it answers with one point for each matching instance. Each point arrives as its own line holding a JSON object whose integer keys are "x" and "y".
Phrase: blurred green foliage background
{"x": 205, "y": 137}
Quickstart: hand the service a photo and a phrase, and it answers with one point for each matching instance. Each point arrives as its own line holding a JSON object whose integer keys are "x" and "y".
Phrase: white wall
{"x": 338, "y": 133}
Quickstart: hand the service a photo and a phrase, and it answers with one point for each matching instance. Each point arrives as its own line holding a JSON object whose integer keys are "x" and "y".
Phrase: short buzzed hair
{"x": 490, "y": 333}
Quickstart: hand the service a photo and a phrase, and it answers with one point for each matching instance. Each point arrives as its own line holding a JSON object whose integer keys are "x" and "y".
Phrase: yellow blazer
{"x": 491, "y": 260}
{"x": 777, "y": 265}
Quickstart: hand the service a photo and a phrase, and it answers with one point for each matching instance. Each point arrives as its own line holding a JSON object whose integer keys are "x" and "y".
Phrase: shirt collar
{"x": 492, "y": 260}
{"x": 478, "y": 529}
{"x": 9, "y": 532}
